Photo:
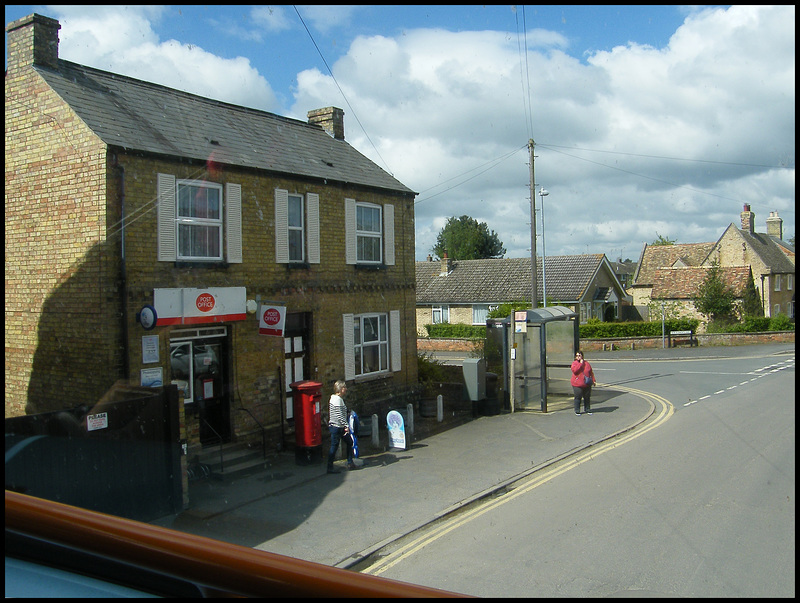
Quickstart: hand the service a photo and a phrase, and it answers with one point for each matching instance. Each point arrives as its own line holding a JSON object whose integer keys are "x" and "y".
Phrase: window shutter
{"x": 351, "y": 256}
{"x": 233, "y": 222}
{"x": 167, "y": 243}
{"x": 312, "y": 201}
{"x": 349, "y": 347}
{"x": 388, "y": 234}
{"x": 281, "y": 226}
{"x": 394, "y": 339}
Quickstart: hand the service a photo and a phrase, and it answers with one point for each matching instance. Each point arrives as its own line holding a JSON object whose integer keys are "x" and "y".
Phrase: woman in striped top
{"x": 337, "y": 424}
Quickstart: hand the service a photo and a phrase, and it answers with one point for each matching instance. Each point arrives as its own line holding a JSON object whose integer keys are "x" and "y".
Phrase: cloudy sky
{"x": 648, "y": 121}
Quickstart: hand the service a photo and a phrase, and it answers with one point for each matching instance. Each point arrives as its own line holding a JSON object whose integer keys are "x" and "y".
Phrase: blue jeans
{"x": 336, "y": 437}
{"x": 586, "y": 394}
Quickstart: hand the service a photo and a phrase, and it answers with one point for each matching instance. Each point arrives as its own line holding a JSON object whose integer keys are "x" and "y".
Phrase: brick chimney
{"x": 331, "y": 119}
{"x": 32, "y": 40}
{"x": 748, "y": 219}
{"x": 775, "y": 225}
{"x": 447, "y": 265}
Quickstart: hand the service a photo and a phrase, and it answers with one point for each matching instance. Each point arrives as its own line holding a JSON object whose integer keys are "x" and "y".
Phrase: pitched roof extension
{"x": 661, "y": 256}
{"x": 505, "y": 279}
{"x": 141, "y": 116}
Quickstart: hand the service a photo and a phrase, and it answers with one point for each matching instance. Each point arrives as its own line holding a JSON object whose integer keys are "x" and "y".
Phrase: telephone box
{"x": 307, "y": 398}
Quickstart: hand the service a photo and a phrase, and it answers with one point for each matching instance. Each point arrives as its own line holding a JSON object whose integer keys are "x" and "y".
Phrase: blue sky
{"x": 648, "y": 120}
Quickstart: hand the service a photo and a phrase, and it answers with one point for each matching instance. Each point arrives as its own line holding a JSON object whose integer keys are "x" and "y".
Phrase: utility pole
{"x": 534, "y": 300}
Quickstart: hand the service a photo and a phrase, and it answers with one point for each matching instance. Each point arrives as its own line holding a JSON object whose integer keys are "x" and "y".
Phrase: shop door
{"x": 296, "y": 334}
{"x": 199, "y": 369}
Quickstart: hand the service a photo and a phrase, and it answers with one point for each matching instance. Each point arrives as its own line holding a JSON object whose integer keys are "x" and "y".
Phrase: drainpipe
{"x": 123, "y": 272}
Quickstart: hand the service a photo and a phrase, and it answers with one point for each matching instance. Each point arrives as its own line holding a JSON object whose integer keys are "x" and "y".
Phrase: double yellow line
{"x": 664, "y": 410}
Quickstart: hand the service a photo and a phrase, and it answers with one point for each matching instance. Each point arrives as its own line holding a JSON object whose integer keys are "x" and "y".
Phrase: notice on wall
{"x": 152, "y": 377}
{"x": 98, "y": 421}
{"x": 149, "y": 349}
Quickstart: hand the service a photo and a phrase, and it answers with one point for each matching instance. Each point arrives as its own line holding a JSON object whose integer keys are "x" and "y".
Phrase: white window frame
{"x": 777, "y": 282}
{"x": 166, "y": 194}
{"x": 191, "y": 222}
{"x": 585, "y": 311}
{"x": 388, "y": 344}
{"x": 308, "y": 229}
{"x": 355, "y": 237}
{"x": 369, "y": 236}
{"x": 483, "y": 310}
{"x": 789, "y": 282}
{"x": 297, "y": 252}
{"x": 440, "y": 314}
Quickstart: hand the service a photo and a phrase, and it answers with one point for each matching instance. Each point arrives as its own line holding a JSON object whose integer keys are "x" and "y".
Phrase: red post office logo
{"x": 272, "y": 316}
{"x": 205, "y": 302}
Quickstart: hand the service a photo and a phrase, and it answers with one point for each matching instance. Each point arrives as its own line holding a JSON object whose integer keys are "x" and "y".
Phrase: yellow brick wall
{"x": 64, "y": 312}
{"x": 59, "y": 272}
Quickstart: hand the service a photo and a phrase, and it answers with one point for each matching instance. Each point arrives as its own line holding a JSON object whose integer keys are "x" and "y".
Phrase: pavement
{"x": 341, "y": 519}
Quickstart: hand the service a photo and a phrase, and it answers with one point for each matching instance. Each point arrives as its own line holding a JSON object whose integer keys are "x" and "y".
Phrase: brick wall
{"x": 71, "y": 329}
{"x": 60, "y": 277}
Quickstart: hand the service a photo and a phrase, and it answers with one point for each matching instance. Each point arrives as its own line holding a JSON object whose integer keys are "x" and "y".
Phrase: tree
{"x": 662, "y": 241}
{"x": 751, "y": 302}
{"x": 465, "y": 238}
{"x": 714, "y": 298}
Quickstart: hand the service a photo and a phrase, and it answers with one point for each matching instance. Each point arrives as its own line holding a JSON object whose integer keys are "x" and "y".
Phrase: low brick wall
{"x": 426, "y": 344}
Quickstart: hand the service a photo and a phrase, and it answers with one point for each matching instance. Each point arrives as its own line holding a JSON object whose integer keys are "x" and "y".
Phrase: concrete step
{"x": 231, "y": 460}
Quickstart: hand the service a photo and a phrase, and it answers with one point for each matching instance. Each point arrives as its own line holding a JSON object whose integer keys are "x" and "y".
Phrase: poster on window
{"x": 272, "y": 318}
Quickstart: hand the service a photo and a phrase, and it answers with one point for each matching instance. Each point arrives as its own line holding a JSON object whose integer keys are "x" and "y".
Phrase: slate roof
{"x": 141, "y": 116}
{"x": 684, "y": 282}
{"x": 770, "y": 252}
{"x": 505, "y": 279}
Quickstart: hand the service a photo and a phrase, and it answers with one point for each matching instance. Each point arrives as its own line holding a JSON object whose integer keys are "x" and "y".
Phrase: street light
{"x": 542, "y": 194}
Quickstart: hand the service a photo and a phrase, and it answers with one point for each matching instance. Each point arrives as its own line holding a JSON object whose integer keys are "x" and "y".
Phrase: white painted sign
{"x": 200, "y": 306}
{"x": 98, "y": 421}
{"x": 272, "y": 318}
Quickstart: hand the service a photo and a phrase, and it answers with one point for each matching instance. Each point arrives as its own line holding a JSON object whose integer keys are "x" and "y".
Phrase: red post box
{"x": 307, "y": 399}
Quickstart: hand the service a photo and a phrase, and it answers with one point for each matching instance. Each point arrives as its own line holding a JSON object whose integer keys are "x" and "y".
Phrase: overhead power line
{"x": 333, "y": 77}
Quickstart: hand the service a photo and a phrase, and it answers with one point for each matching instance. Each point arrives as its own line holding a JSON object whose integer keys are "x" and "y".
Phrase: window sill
{"x": 370, "y": 266}
{"x": 211, "y": 265}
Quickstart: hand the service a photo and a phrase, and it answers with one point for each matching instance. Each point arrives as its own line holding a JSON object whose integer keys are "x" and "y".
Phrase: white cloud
{"x": 632, "y": 143}
{"x": 437, "y": 104}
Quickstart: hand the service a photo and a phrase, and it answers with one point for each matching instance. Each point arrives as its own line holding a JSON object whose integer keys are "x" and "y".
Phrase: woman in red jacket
{"x": 582, "y": 381}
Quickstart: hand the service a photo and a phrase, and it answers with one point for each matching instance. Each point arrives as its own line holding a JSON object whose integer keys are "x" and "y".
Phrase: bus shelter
{"x": 532, "y": 351}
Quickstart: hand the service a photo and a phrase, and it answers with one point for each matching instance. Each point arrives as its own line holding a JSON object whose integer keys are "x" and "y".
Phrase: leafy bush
{"x": 781, "y": 322}
{"x": 429, "y": 369}
{"x": 456, "y": 331}
{"x": 595, "y": 329}
{"x": 753, "y": 324}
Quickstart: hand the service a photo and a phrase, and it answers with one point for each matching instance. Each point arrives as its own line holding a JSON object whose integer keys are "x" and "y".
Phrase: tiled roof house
{"x": 139, "y": 217}
{"x": 463, "y": 291}
{"x": 673, "y": 273}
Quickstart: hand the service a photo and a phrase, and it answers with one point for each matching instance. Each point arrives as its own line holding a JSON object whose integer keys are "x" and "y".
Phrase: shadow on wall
{"x": 79, "y": 348}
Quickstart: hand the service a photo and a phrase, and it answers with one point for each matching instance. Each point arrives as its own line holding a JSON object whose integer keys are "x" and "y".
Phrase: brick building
{"x": 152, "y": 235}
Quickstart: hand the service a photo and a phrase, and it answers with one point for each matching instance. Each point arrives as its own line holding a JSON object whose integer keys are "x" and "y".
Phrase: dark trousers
{"x": 586, "y": 394}
{"x": 336, "y": 437}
